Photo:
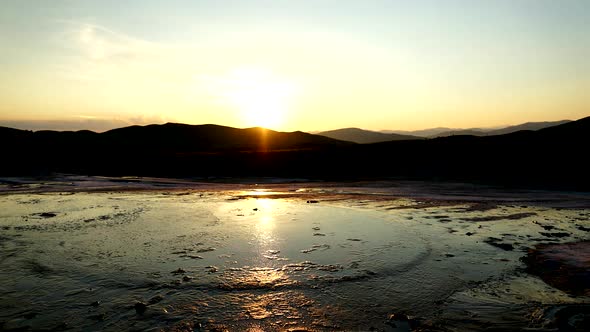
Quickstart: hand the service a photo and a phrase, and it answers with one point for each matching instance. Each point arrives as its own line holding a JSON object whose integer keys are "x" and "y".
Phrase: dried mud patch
{"x": 514, "y": 216}
{"x": 563, "y": 266}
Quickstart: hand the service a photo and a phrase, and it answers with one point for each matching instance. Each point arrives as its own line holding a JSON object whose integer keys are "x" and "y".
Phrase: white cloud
{"x": 93, "y": 53}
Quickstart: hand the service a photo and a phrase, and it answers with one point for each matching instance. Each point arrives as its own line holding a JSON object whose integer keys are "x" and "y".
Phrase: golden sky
{"x": 294, "y": 65}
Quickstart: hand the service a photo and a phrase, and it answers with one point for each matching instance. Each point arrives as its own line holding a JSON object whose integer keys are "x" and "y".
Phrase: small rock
{"x": 401, "y": 322}
{"x": 140, "y": 307}
{"x": 370, "y": 273}
{"x": 398, "y": 317}
{"x": 187, "y": 278}
{"x": 30, "y": 315}
{"x": 205, "y": 249}
{"x": 193, "y": 256}
{"x": 495, "y": 242}
{"x": 178, "y": 271}
{"x": 555, "y": 234}
{"x": 312, "y": 201}
{"x": 95, "y": 303}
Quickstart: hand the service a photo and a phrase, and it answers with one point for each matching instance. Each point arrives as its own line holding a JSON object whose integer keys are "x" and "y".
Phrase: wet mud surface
{"x": 295, "y": 257}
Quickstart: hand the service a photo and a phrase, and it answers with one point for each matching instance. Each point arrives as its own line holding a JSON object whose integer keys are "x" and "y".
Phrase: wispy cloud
{"x": 94, "y": 52}
{"x": 100, "y": 43}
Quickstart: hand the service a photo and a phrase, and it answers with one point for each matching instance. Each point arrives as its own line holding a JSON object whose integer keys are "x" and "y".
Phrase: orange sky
{"x": 303, "y": 65}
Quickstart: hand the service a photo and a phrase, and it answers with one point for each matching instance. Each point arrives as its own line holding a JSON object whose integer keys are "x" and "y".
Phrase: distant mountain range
{"x": 551, "y": 157}
{"x": 362, "y": 136}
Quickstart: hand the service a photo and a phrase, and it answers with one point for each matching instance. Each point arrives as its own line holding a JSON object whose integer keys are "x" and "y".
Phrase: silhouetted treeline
{"x": 549, "y": 158}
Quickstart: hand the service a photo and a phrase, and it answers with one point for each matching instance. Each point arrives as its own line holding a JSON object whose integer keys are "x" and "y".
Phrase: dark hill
{"x": 192, "y": 138}
{"x": 362, "y": 136}
{"x": 549, "y": 157}
{"x": 526, "y": 126}
{"x": 502, "y": 131}
{"x": 170, "y": 149}
{"x": 8, "y": 135}
{"x": 553, "y": 157}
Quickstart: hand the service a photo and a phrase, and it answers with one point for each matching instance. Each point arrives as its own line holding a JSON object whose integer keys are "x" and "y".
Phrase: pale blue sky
{"x": 325, "y": 64}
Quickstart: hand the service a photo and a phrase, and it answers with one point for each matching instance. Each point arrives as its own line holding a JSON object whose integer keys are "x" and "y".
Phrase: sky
{"x": 293, "y": 64}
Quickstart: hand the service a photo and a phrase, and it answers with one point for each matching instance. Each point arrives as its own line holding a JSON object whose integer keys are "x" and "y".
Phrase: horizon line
{"x": 102, "y": 125}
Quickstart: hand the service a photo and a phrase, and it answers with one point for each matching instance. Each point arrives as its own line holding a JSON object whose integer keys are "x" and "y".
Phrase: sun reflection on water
{"x": 265, "y": 213}
{"x": 259, "y": 193}
{"x": 264, "y": 228}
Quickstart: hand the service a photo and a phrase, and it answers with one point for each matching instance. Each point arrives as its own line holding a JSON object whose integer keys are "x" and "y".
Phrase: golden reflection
{"x": 258, "y": 193}
{"x": 259, "y": 278}
{"x": 266, "y": 193}
{"x": 288, "y": 310}
{"x": 265, "y": 210}
{"x": 266, "y": 220}
{"x": 265, "y": 224}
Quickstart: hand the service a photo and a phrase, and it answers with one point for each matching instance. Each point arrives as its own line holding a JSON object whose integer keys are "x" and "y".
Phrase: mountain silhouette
{"x": 526, "y": 126}
{"x": 501, "y": 131}
{"x": 361, "y": 136}
{"x": 444, "y": 131}
{"x": 552, "y": 157}
{"x": 183, "y": 137}
{"x": 170, "y": 136}
{"x": 429, "y": 132}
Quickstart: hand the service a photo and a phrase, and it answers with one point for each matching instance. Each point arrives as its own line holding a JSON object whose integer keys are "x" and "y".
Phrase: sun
{"x": 261, "y": 98}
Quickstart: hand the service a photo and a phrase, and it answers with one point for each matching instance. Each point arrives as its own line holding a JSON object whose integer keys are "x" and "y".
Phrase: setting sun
{"x": 269, "y": 165}
{"x": 260, "y": 98}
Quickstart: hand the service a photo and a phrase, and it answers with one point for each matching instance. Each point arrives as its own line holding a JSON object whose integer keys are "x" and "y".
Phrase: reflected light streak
{"x": 266, "y": 219}
{"x": 257, "y": 192}
{"x": 266, "y": 239}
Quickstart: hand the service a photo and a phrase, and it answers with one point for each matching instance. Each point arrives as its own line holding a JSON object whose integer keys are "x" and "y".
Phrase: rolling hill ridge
{"x": 552, "y": 157}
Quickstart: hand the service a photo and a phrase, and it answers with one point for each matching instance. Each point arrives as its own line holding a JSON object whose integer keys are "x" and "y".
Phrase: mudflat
{"x": 137, "y": 254}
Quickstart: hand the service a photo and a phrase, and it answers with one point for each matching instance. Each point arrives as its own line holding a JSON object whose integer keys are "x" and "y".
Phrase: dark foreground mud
{"x": 564, "y": 266}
